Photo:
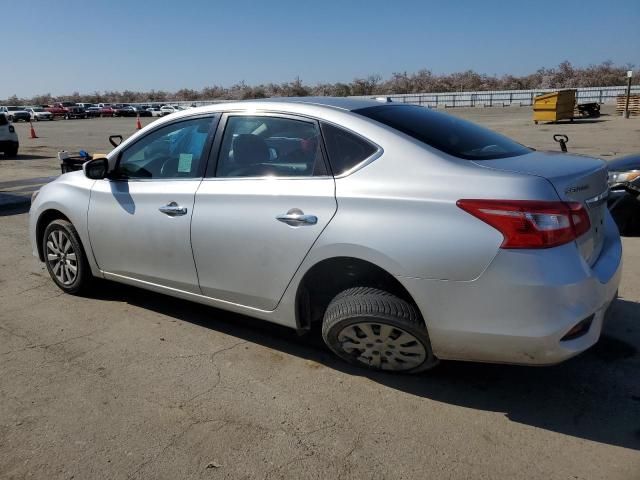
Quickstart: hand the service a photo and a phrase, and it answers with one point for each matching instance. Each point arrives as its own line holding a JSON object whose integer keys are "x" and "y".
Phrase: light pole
{"x": 626, "y": 103}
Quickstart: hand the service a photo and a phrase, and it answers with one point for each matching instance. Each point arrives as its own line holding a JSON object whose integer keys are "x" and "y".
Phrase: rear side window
{"x": 446, "y": 133}
{"x": 3, "y": 119}
{"x": 261, "y": 146}
{"x": 345, "y": 149}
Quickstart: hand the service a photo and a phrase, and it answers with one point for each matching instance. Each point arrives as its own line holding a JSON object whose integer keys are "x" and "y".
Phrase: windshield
{"x": 449, "y": 134}
{"x": 38, "y": 109}
{"x": 13, "y": 109}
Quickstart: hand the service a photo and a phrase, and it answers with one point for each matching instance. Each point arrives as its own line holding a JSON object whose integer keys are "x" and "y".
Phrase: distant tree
{"x": 424, "y": 81}
{"x": 365, "y": 86}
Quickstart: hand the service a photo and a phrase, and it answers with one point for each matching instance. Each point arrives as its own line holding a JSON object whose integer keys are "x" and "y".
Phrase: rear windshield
{"x": 3, "y": 119}
{"x": 446, "y": 133}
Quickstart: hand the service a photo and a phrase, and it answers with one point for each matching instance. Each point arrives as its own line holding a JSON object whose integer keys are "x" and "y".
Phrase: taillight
{"x": 531, "y": 223}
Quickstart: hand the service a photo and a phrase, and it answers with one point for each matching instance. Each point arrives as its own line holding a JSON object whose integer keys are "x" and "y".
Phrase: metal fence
{"x": 505, "y": 98}
{"x": 498, "y": 98}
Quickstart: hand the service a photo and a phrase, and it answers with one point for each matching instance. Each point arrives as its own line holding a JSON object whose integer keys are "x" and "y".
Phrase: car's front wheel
{"x": 378, "y": 330}
{"x": 11, "y": 152}
{"x": 64, "y": 257}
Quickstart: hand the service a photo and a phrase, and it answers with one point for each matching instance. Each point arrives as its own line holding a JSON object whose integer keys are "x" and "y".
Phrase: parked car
{"x": 15, "y": 114}
{"x": 155, "y": 111}
{"x": 39, "y": 113}
{"x": 406, "y": 234}
{"x": 169, "y": 109}
{"x": 73, "y": 111}
{"x": 107, "y": 111}
{"x": 66, "y": 110}
{"x": 624, "y": 199}
{"x": 142, "y": 110}
{"x": 123, "y": 111}
{"x": 9, "y": 143}
{"x": 130, "y": 111}
{"x": 93, "y": 112}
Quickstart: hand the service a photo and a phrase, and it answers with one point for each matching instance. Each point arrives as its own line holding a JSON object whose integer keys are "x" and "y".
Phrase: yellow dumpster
{"x": 554, "y": 106}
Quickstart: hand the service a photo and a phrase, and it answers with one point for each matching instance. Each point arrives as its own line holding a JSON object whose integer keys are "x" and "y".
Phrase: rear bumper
{"x": 522, "y": 306}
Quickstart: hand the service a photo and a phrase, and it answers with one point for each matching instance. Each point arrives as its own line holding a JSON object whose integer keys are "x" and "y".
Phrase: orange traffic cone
{"x": 32, "y": 134}
{"x": 138, "y": 124}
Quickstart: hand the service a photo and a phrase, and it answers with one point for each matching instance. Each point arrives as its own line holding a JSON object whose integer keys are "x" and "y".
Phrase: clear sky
{"x": 63, "y": 46}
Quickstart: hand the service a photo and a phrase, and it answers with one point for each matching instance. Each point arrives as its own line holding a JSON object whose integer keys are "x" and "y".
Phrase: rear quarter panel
{"x": 403, "y": 206}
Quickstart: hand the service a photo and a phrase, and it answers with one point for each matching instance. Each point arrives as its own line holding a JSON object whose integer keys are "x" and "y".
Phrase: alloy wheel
{"x": 62, "y": 257}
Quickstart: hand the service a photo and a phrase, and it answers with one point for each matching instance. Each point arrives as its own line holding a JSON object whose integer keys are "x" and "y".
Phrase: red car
{"x": 107, "y": 112}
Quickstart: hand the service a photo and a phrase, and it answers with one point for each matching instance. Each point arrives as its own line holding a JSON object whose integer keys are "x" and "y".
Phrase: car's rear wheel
{"x": 378, "y": 330}
{"x": 65, "y": 258}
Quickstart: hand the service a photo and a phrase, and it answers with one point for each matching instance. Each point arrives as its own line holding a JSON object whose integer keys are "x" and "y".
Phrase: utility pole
{"x": 626, "y": 103}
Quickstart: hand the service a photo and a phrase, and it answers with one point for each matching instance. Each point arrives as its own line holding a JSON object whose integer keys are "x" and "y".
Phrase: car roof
{"x": 342, "y": 103}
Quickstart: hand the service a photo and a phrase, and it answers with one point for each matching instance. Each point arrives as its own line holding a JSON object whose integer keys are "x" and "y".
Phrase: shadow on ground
{"x": 30, "y": 156}
{"x": 13, "y": 204}
{"x": 595, "y": 396}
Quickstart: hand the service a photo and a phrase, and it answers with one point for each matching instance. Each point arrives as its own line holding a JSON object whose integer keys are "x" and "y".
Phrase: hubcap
{"x": 61, "y": 257}
{"x": 382, "y": 346}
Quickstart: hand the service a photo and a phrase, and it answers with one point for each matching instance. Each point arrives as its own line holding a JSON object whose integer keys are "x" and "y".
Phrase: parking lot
{"x": 131, "y": 384}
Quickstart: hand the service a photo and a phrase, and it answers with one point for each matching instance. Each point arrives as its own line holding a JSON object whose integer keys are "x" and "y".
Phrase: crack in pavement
{"x": 213, "y": 355}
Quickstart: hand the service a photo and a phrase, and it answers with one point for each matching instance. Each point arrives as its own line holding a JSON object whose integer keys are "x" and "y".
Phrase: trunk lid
{"x": 575, "y": 179}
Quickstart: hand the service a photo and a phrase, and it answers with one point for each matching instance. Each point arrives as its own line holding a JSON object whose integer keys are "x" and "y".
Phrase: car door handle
{"x": 296, "y": 217}
{"x": 173, "y": 209}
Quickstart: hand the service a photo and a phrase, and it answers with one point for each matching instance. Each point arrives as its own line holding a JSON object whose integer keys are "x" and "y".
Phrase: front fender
{"x": 69, "y": 195}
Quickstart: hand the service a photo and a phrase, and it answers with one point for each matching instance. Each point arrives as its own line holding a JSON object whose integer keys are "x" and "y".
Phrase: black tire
{"x": 384, "y": 316}
{"x": 11, "y": 153}
{"x": 36, "y": 118}
{"x": 83, "y": 277}
{"x": 626, "y": 215}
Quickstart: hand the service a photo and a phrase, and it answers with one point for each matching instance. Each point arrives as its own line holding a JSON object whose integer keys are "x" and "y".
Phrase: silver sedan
{"x": 406, "y": 235}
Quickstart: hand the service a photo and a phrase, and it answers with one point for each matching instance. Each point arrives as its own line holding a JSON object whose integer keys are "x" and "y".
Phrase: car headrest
{"x": 249, "y": 149}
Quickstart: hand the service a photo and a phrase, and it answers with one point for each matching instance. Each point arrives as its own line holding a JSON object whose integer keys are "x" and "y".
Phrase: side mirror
{"x": 96, "y": 169}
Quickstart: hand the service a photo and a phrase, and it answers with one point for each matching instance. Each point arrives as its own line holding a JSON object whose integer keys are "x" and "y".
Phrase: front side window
{"x": 174, "y": 151}
{"x": 449, "y": 134}
{"x": 259, "y": 146}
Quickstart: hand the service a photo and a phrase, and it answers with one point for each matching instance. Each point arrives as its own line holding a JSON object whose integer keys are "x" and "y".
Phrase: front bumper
{"x": 8, "y": 145}
{"x": 522, "y": 306}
